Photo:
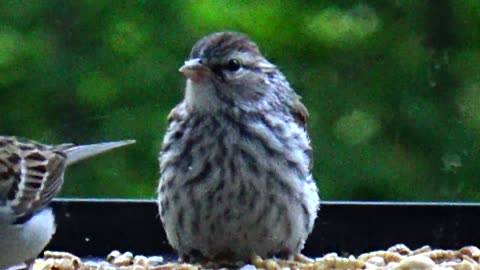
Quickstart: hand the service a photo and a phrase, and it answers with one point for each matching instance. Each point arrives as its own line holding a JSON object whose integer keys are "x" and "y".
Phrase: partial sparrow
{"x": 235, "y": 160}
{"x": 31, "y": 174}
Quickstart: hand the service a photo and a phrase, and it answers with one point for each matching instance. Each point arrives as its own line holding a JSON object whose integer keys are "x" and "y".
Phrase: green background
{"x": 393, "y": 87}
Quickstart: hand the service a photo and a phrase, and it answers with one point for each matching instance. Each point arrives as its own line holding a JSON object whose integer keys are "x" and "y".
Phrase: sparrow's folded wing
{"x": 31, "y": 174}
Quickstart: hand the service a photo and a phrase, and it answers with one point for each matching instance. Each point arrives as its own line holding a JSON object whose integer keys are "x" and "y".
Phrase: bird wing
{"x": 300, "y": 115}
{"x": 31, "y": 174}
{"x": 178, "y": 113}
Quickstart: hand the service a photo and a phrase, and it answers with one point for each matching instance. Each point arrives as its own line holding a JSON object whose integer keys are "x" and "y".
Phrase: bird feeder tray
{"x": 347, "y": 235}
{"x": 96, "y": 227}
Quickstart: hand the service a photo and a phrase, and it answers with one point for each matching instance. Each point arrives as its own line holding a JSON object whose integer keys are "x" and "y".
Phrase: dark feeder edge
{"x": 95, "y": 227}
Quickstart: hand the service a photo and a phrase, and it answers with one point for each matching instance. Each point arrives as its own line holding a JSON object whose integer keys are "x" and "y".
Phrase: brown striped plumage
{"x": 225, "y": 44}
{"x": 31, "y": 174}
{"x": 234, "y": 164}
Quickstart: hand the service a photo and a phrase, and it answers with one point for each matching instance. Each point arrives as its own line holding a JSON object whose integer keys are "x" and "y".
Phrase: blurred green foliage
{"x": 393, "y": 87}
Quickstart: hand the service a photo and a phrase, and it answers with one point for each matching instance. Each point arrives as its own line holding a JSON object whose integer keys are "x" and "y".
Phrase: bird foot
{"x": 302, "y": 258}
{"x": 29, "y": 264}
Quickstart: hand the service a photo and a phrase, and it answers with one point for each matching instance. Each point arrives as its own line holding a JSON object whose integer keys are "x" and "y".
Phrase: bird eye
{"x": 233, "y": 65}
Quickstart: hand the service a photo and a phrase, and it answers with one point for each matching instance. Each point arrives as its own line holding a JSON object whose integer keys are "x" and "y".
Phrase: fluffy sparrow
{"x": 235, "y": 160}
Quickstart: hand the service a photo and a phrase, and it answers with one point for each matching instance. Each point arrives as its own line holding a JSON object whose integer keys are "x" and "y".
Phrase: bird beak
{"x": 194, "y": 69}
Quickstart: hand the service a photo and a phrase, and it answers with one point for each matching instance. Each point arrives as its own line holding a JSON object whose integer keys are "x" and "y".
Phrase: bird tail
{"x": 80, "y": 152}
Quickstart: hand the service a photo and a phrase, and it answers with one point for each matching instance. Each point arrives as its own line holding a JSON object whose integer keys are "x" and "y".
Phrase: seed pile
{"x": 398, "y": 257}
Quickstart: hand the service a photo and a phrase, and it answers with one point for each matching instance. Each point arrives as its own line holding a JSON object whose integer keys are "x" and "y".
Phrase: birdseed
{"x": 398, "y": 257}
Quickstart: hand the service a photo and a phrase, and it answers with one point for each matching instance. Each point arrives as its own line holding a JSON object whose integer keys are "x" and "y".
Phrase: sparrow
{"x": 235, "y": 160}
{"x": 31, "y": 175}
